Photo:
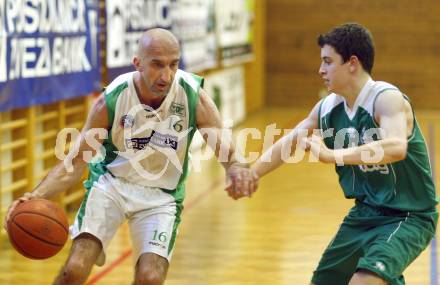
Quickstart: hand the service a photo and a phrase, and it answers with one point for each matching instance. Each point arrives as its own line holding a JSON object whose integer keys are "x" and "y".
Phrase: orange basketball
{"x": 38, "y": 228}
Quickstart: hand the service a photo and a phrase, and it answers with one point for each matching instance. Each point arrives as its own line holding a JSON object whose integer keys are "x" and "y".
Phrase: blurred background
{"x": 260, "y": 61}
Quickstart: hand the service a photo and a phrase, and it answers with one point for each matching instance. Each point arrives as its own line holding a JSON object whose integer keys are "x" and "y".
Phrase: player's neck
{"x": 353, "y": 90}
{"x": 144, "y": 94}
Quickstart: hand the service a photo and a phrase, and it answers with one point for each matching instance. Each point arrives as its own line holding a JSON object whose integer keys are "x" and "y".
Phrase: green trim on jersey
{"x": 111, "y": 99}
{"x": 200, "y": 80}
{"x": 193, "y": 98}
{"x": 179, "y": 193}
{"x": 96, "y": 170}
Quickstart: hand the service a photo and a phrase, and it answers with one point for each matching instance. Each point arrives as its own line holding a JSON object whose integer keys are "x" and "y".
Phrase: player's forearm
{"x": 59, "y": 179}
{"x": 378, "y": 152}
{"x": 223, "y": 146}
{"x": 232, "y": 159}
{"x": 276, "y": 155}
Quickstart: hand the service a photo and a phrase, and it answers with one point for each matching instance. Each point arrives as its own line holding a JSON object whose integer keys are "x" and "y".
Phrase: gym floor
{"x": 276, "y": 237}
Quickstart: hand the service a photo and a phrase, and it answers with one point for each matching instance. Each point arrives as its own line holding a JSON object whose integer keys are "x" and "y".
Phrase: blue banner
{"x": 126, "y": 21}
{"x": 48, "y": 51}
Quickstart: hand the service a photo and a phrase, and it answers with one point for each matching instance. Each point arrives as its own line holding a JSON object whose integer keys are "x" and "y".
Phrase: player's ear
{"x": 137, "y": 64}
{"x": 354, "y": 63}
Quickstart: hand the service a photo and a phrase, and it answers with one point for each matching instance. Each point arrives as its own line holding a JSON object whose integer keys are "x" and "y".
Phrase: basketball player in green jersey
{"x": 368, "y": 129}
{"x": 150, "y": 116}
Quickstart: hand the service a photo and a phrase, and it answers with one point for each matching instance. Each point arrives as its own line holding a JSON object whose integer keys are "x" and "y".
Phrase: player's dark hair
{"x": 351, "y": 39}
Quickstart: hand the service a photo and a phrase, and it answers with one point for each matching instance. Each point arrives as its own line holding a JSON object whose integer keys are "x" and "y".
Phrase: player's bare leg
{"x": 83, "y": 255}
{"x": 151, "y": 269}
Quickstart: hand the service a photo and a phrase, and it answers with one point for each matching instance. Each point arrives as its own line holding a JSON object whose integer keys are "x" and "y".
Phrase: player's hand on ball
{"x": 27, "y": 196}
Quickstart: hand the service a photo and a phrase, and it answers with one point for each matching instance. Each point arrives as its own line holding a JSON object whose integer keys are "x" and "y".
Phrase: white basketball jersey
{"x": 151, "y": 145}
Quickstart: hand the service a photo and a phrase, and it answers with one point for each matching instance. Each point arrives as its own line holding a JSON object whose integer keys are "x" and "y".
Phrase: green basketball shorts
{"x": 382, "y": 241}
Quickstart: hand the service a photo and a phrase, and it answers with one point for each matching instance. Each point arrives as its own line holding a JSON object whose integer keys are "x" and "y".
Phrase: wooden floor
{"x": 275, "y": 238}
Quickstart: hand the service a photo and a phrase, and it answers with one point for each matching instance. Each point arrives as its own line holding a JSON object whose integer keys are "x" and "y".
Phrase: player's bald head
{"x": 157, "y": 40}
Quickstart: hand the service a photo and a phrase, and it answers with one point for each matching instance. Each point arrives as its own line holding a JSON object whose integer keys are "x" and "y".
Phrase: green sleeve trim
{"x": 200, "y": 80}
{"x": 110, "y": 101}
{"x": 193, "y": 99}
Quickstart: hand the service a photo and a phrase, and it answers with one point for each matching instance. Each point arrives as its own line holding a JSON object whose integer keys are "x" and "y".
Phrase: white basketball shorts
{"x": 152, "y": 215}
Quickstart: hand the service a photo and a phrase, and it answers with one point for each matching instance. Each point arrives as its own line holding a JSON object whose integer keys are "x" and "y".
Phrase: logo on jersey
{"x": 380, "y": 266}
{"x": 156, "y": 138}
{"x": 382, "y": 168}
{"x": 178, "y": 109}
{"x": 127, "y": 121}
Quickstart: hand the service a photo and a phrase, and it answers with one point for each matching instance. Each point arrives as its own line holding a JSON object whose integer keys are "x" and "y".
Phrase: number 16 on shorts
{"x": 159, "y": 239}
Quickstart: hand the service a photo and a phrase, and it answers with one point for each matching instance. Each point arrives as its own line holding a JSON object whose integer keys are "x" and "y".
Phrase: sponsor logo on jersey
{"x": 146, "y": 140}
{"x": 127, "y": 121}
{"x": 177, "y": 109}
{"x": 156, "y": 138}
{"x": 382, "y": 168}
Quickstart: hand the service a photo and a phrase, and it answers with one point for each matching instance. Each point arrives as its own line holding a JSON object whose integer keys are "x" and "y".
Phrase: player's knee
{"x": 74, "y": 271}
{"x": 151, "y": 269}
{"x": 149, "y": 276}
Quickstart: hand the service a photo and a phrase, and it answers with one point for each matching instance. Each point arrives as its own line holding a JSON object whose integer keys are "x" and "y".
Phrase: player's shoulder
{"x": 388, "y": 99}
{"x": 382, "y": 86}
{"x": 120, "y": 82}
{"x": 386, "y": 93}
{"x": 194, "y": 81}
{"x": 329, "y": 102}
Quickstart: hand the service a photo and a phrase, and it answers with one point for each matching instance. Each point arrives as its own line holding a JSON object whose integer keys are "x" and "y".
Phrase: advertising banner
{"x": 126, "y": 21}
{"x": 48, "y": 51}
{"x": 234, "y": 30}
{"x": 193, "y": 24}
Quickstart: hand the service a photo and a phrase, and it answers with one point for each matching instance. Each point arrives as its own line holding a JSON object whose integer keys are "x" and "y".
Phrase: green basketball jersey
{"x": 405, "y": 185}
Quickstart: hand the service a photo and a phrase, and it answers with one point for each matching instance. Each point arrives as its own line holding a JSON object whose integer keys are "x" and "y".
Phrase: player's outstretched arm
{"x": 240, "y": 181}
{"x": 273, "y": 157}
{"x": 60, "y": 178}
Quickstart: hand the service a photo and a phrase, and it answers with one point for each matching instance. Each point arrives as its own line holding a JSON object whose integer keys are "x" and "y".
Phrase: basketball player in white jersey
{"x": 150, "y": 116}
